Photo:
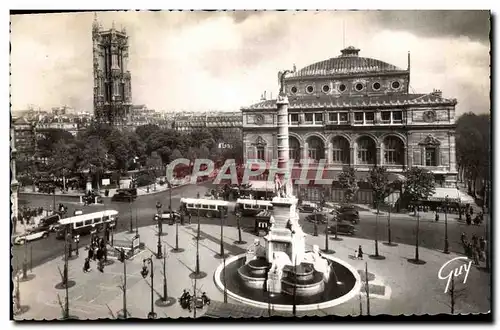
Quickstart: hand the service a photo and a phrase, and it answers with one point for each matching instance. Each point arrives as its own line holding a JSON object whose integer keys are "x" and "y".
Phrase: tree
{"x": 348, "y": 181}
{"x": 418, "y": 185}
{"x": 94, "y": 157}
{"x": 62, "y": 162}
{"x": 472, "y": 148}
{"x": 378, "y": 179}
{"x": 144, "y": 131}
{"x": 176, "y": 154}
{"x": 153, "y": 164}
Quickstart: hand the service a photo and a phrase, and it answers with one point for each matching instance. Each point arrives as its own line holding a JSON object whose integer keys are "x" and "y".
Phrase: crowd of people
{"x": 97, "y": 251}
{"x": 474, "y": 249}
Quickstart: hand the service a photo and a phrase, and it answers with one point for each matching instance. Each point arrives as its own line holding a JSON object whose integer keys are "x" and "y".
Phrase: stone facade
{"x": 355, "y": 111}
{"x": 112, "y": 80}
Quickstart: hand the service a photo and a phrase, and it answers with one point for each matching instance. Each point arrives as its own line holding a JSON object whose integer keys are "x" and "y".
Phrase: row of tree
{"x": 473, "y": 151}
{"x": 101, "y": 148}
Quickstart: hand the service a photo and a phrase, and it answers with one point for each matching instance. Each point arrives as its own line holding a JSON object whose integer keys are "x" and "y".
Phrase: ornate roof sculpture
{"x": 348, "y": 62}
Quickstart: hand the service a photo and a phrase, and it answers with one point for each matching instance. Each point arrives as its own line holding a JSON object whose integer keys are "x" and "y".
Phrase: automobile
{"x": 319, "y": 218}
{"x": 342, "y": 228}
{"x": 347, "y": 208}
{"x": 49, "y": 222}
{"x": 123, "y": 196}
{"x": 132, "y": 191}
{"x": 92, "y": 198}
{"x": 350, "y": 216}
{"x": 166, "y": 216}
{"x": 307, "y": 207}
{"x": 31, "y": 235}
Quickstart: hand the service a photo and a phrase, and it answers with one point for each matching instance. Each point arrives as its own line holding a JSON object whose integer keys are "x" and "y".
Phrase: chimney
{"x": 265, "y": 98}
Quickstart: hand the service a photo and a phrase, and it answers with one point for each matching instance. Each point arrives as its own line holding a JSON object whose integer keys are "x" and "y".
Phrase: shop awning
{"x": 441, "y": 193}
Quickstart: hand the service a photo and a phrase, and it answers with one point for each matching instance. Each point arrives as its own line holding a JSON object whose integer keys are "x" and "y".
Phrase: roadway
{"x": 143, "y": 209}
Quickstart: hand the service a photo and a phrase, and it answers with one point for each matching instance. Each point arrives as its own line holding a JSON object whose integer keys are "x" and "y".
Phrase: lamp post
{"x": 65, "y": 274}
{"x": 222, "y": 255}
{"x": 159, "y": 248}
{"x": 446, "y": 243}
{"x": 165, "y": 291}
{"x": 25, "y": 261}
{"x": 124, "y": 286}
{"x": 144, "y": 273}
{"x": 77, "y": 240}
{"x": 131, "y": 229}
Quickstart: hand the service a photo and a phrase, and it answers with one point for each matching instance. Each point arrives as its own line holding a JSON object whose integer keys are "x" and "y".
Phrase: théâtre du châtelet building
{"x": 356, "y": 111}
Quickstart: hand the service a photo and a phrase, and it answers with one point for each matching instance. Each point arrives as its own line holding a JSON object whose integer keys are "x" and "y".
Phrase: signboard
{"x": 105, "y": 182}
{"x": 135, "y": 243}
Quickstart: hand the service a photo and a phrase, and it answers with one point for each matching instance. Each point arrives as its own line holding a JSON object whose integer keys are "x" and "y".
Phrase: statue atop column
{"x": 281, "y": 81}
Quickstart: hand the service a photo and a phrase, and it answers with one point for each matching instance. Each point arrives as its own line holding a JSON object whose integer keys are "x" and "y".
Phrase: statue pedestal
{"x": 274, "y": 281}
{"x": 285, "y": 234}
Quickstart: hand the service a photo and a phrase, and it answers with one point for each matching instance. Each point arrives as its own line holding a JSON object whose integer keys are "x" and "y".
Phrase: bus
{"x": 210, "y": 208}
{"x": 86, "y": 223}
{"x": 251, "y": 207}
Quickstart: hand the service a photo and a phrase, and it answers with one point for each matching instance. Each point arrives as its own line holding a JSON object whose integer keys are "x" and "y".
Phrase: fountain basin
{"x": 254, "y": 294}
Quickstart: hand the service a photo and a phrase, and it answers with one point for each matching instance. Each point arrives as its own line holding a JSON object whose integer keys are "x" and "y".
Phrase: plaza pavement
{"x": 397, "y": 286}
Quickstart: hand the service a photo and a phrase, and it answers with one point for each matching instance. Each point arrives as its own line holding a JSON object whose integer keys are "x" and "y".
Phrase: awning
{"x": 441, "y": 193}
{"x": 261, "y": 185}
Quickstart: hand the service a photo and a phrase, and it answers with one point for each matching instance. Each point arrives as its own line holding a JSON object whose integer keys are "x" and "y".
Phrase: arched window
{"x": 366, "y": 150}
{"x": 316, "y": 149}
{"x": 340, "y": 150}
{"x": 294, "y": 146}
{"x": 393, "y": 151}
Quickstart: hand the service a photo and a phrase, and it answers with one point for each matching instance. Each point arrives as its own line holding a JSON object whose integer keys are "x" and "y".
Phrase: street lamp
{"x": 77, "y": 240}
{"x": 131, "y": 229}
{"x": 159, "y": 249}
{"x": 446, "y": 243}
{"x": 144, "y": 273}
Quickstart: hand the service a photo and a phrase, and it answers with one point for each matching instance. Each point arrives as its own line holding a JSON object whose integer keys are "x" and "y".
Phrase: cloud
{"x": 224, "y": 60}
{"x": 438, "y": 23}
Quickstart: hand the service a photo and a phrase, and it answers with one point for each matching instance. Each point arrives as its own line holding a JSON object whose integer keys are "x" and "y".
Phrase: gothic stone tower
{"x": 112, "y": 86}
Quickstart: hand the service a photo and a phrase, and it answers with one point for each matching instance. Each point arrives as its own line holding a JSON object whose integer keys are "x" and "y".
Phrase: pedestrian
{"x": 436, "y": 215}
{"x": 90, "y": 254}
{"x": 100, "y": 266}
{"x": 360, "y": 253}
{"x": 315, "y": 229}
{"x": 86, "y": 265}
{"x": 475, "y": 255}
{"x": 471, "y": 210}
{"x": 468, "y": 219}
{"x": 189, "y": 215}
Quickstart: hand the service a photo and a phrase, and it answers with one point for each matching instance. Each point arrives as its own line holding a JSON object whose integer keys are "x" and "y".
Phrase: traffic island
{"x": 390, "y": 244}
{"x": 376, "y": 257}
{"x": 62, "y": 286}
{"x": 170, "y": 301}
{"x": 27, "y": 278}
{"x": 177, "y": 250}
{"x": 416, "y": 261}
{"x": 197, "y": 275}
{"x": 240, "y": 242}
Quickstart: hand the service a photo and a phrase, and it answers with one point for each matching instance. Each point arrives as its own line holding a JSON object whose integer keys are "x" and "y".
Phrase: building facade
{"x": 14, "y": 184}
{"x": 112, "y": 80}
{"x": 356, "y": 111}
{"x": 24, "y": 137}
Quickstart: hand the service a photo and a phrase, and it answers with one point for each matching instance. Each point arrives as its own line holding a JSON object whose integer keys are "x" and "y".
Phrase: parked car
{"x": 350, "y": 216}
{"x": 123, "y": 196}
{"x": 31, "y": 235}
{"x": 132, "y": 191}
{"x": 347, "y": 208}
{"x": 342, "y": 228}
{"x": 319, "y": 218}
{"x": 307, "y": 207}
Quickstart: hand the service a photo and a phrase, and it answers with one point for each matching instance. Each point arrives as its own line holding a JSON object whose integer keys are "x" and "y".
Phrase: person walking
{"x": 360, "y": 253}
{"x": 86, "y": 265}
{"x": 436, "y": 216}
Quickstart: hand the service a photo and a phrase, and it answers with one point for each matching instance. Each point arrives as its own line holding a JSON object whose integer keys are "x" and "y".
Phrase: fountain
{"x": 282, "y": 273}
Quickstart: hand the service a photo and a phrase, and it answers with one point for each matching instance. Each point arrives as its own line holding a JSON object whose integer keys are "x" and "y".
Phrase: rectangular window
{"x": 343, "y": 117}
{"x": 309, "y": 118}
{"x": 97, "y": 220}
{"x": 369, "y": 117}
{"x": 333, "y": 116}
{"x": 261, "y": 153}
{"x": 318, "y": 118}
{"x": 190, "y": 205}
{"x": 213, "y": 207}
{"x": 312, "y": 153}
{"x": 197, "y": 206}
{"x": 294, "y": 118}
{"x": 88, "y": 222}
{"x": 78, "y": 224}
{"x": 397, "y": 117}
{"x": 358, "y": 118}
{"x": 430, "y": 156}
{"x": 386, "y": 117}
{"x": 337, "y": 156}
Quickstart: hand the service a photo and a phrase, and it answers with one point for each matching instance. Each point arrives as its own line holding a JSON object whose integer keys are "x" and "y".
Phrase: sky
{"x": 198, "y": 61}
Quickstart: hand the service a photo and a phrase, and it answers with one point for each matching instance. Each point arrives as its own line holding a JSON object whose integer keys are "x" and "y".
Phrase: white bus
{"x": 210, "y": 208}
{"x": 85, "y": 223}
{"x": 251, "y": 207}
